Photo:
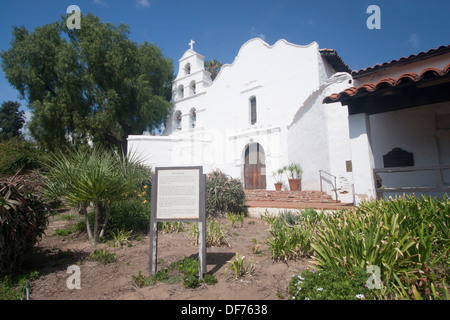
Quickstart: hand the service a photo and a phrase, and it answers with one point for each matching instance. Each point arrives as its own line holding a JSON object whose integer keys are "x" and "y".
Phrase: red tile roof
{"x": 403, "y": 60}
{"x": 428, "y": 73}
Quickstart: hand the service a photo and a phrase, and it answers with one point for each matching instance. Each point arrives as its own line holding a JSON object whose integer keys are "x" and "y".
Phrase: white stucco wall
{"x": 319, "y": 140}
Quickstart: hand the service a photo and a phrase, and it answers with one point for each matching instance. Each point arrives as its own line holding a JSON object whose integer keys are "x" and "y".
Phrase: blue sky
{"x": 219, "y": 28}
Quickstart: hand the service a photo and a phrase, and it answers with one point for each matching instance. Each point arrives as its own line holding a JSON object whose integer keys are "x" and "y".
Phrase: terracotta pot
{"x": 294, "y": 184}
{"x": 278, "y": 186}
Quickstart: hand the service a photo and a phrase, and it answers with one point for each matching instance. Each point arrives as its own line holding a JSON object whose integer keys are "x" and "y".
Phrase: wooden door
{"x": 254, "y": 167}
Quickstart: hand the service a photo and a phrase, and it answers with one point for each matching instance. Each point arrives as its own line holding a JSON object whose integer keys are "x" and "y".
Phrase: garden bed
{"x": 114, "y": 280}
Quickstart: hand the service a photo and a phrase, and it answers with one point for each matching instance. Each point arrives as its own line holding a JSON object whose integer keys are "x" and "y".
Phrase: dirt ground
{"x": 113, "y": 281}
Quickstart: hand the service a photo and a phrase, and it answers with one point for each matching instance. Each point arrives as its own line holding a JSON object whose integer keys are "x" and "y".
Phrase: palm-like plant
{"x": 213, "y": 66}
{"x": 92, "y": 177}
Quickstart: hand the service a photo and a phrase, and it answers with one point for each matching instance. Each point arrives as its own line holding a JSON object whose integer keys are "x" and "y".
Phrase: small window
{"x": 253, "y": 115}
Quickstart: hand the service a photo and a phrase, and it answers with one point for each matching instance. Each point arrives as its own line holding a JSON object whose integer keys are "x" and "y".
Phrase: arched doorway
{"x": 254, "y": 167}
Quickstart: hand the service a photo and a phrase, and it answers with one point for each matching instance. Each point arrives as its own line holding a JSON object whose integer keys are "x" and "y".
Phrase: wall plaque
{"x": 398, "y": 157}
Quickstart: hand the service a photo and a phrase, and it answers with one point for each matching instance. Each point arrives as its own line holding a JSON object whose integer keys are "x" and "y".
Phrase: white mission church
{"x": 280, "y": 104}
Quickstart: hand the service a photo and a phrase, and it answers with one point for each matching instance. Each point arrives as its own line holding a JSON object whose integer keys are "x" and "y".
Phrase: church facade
{"x": 262, "y": 112}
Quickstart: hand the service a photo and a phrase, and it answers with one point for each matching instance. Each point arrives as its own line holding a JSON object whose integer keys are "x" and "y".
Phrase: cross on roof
{"x": 192, "y": 44}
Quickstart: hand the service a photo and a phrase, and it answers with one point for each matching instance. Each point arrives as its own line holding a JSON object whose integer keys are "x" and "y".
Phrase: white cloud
{"x": 143, "y": 3}
{"x": 414, "y": 40}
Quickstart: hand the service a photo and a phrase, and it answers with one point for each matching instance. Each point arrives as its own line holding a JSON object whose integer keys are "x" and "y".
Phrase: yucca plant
{"x": 23, "y": 219}
{"x": 92, "y": 177}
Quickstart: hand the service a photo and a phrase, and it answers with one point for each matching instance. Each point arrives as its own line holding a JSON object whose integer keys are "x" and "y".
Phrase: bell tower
{"x": 191, "y": 82}
{"x": 192, "y": 78}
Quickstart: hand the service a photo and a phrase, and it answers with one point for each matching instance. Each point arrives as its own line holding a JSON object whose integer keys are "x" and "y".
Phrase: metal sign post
{"x": 178, "y": 194}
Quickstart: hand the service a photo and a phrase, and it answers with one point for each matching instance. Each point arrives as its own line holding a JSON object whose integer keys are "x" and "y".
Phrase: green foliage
{"x": 407, "y": 238}
{"x": 210, "y": 279}
{"x": 330, "y": 284}
{"x": 215, "y": 233}
{"x": 130, "y": 214}
{"x": 239, "y": 268}
{"x": 88, "y": 84}
{"x": 141, "y": 280}
{"x": 293, "y": 171}
{"x": 15, "y": 289}
{"x": 168, "y": 227}
{"x": 93, "y": 176}
{"x": 224, "y": 194}
{"x": 23, "y": 219}
{"x": 16, "y": 154}
{"x": 291, "y": 234}
{"x": 213, "y": 66}
{"x": 11, "y": 120}
{"x": 235, "y": 219}
{"x": 278, "y": 175}
{"x": 102, "y": 256}
{"x": 289, "y": 242}
{"x": 187, "y": 267}
{"x": 120, "y": 238}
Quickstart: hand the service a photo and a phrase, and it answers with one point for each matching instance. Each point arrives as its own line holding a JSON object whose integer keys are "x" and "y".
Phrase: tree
{"x": 89, "y": 84}
{"x": 11, "y": 120}
{"x": 213, "y": 66}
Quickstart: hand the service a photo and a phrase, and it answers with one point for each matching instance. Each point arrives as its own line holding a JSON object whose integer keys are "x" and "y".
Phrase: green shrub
{"x": 224, "y": 194}
{"x": 210, "y": 279}
{"x": 331, "y": 284}
{"x": 130, "y": 214}
{"x": 23, "y": 219}
{"x": 102, "y": 256}
{"x": 16, "y": 154}
{"x": 15, "y": 288}
{"x": 187, "y": 267}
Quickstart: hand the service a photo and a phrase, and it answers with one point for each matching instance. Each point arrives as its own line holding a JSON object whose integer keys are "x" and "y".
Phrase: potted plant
{"x": 294, "y": 176}
{"x": 278, "y": 178}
